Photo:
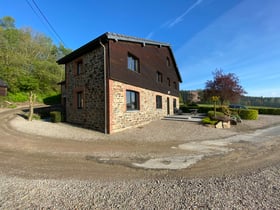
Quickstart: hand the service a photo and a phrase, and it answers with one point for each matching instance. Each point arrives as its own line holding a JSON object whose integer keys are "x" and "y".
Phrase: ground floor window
{"x": 159, "y": 102}
{"x": 80, "y": 100}
{"x": 132, "y": 100}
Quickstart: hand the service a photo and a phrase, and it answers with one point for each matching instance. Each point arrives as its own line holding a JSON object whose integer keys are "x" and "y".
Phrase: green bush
{"x": 54, "y": 99}
{"x": 272, "y": 111}
{"x": 201, "y": 109}
{"x": 207, "y": 120}
{"x": 18, "y": 97}
{"x": 55, "y": 116}
{"x": 248, "y": 114}
{"x": 218, "y": 114}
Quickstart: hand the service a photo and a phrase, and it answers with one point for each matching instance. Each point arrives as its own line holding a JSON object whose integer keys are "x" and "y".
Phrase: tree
{"x": 25, "y": 54}
{"x": 226, "y": 86}
{"x": 7, "y": 22}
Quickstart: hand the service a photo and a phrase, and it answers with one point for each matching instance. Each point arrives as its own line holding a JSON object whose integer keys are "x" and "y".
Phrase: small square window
{"x": 159, "y": 77}
{"x": 132, "y": 63}
{"x": 132, "y": 100}
{"x": 158, "y": 102}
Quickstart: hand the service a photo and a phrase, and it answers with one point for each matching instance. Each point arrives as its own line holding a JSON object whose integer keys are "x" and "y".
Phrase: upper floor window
{"x": 132, "y": 100}
{"x": 158, "y": 102}
{"x": 168, "y": 81}
{"x": 79, "y": 67}
{"x": 175, "y": 85}
{"x": 168, "y": 61}
{"x": 132, "y": 63}
{"x": 159, "y": 77}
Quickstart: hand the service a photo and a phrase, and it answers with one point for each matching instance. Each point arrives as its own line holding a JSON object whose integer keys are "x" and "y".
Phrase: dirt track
{"x": 34, "y": 156}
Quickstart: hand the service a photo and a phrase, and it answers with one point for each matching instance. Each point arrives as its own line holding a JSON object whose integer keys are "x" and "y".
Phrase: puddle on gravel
{"x": 175, "y": 162}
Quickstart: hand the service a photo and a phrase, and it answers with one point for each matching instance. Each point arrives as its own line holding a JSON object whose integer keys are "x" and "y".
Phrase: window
{"x": 168, "y": 81}
{"x": 132, "y": 100}
{"x": 167, "y": 61}
{"x": 132, "y": 63}
{"x": 159, "y": 77}
{"x": 159, "y": 102}
{"x": 79, "y": 67}
{"x": 175, "y": 85}
{"x": 80, "y": 100}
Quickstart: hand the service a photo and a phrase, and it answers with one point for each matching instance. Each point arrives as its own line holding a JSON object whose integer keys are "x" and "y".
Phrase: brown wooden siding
{"x": 152, "y": 59}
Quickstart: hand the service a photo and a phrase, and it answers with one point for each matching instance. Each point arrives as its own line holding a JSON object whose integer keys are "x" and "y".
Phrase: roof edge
{"x": 105, "y": 37}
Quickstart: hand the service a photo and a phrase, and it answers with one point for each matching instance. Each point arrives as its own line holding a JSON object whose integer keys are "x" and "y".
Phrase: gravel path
{"x": 156, "y": 131}
{"x": 254, "y": 190}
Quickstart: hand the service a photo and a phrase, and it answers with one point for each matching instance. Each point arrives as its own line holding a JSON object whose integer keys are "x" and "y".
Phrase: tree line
{"x": 226, "y": 88}
{"x": 28, "y": 60}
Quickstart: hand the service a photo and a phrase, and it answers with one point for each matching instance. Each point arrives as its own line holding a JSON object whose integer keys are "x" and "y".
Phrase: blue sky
{"x": 238, "y": 36}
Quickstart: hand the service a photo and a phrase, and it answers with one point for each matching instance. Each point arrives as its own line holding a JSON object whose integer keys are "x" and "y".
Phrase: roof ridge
{"x": 116, "y": 36}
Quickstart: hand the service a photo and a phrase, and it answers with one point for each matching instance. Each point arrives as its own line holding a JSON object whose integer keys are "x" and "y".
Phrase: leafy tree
{"x": 28, "y": 60}
{"x": 226, "y": 86}
{"x": 7, "y": 22}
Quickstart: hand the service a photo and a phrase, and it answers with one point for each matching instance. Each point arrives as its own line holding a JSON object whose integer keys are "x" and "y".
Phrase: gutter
{"x": 105, "y": 89}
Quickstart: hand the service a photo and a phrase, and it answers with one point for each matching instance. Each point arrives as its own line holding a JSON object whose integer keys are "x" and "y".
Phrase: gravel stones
{"x": 253, "y": 190}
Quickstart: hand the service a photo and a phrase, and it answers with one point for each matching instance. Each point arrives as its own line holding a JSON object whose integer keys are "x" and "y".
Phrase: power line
{"x": 45, "y": 18}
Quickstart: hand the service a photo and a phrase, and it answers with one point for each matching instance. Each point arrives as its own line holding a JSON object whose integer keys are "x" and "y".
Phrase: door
{"x": 168, "y": 107}
{"x": 174, "y": 105}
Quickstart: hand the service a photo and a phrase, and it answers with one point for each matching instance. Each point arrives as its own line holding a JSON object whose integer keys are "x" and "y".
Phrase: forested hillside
{"x": 28, "y": 62}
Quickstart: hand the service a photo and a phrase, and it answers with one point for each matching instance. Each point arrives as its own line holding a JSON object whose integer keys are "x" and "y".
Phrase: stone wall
{"x": 121, "y": 119}
{"x": 89, "y": 82}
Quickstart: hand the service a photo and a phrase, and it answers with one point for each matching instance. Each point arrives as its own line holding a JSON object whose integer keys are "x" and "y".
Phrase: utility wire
{"x": 45, "y": 18}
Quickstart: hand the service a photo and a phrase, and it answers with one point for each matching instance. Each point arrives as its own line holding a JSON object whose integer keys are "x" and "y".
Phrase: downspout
{"x": 105, "y": 88}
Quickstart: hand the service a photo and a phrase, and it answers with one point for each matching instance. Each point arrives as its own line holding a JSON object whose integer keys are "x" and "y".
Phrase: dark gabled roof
{"x": 3, "y": 84}
{"x": 118, "y": 37}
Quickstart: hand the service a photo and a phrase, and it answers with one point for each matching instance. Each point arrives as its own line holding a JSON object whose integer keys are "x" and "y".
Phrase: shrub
{"x": 54, "y": 99}
{"x": 218, "y": 114}
{"x": 18, "y": 97}
{"x": 55, "y": 116}
{"x": 207, "y": 120}
{"x": 272, "y": 111}
{"x": 248, "y": 114}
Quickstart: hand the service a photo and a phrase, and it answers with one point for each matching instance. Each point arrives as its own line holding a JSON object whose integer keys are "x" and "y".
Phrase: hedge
{"x": 248, "y": 114}
{"x": 200, "y": 109}
{"x": 272, "y": 111}
{"x": 55, "y": 116}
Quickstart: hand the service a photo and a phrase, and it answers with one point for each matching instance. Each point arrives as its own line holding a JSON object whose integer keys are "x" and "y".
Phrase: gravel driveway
{"x": 64, "y": 167}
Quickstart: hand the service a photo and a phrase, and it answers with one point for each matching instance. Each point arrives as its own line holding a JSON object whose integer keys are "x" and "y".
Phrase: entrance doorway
{"x": 168, "y": 107}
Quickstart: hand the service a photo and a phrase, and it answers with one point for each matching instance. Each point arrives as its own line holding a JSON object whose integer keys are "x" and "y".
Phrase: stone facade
{"x": 98, "y": 77}
{"x": 121, "y": 119}
{"x": 89, "y": 83}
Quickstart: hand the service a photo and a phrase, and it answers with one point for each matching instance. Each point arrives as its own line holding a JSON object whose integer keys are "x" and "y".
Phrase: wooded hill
{"x": 28, "y": 62}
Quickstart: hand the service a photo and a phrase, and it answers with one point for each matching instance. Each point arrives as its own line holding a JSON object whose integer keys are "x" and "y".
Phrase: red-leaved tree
{"x": 226, "y": 86}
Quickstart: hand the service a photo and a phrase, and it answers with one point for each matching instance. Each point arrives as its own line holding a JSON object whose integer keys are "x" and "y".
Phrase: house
{"x": 3, "y": 88}
{"x": 116, "y": 82}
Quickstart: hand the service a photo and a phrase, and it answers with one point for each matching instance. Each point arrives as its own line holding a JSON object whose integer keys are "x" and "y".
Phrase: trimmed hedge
{"x": 272, "y": 111}
{"x": 186, "y": 109}
{"x": 55, "y": 116}
{"x": 248, "y": 114}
